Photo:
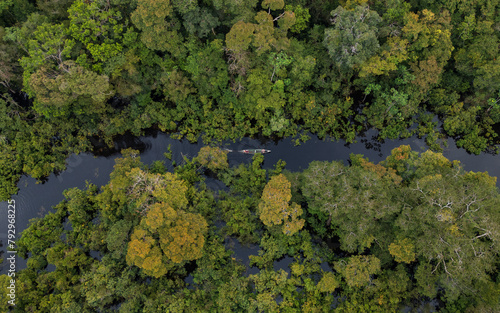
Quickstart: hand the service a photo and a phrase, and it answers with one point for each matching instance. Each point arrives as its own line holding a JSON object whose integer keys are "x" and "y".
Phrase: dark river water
{"x": 34, "y": 200}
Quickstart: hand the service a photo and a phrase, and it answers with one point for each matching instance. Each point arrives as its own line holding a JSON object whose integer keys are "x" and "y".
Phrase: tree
{"x": 453, "y": 225}
{"x": 67, "y": 258}
{"x": 81, "y": 210}
{"x": 117, "y": 238}
{"x": 157, "y": 32}
{"x": 302, "y": 17}
{"x": 56, "y": 9}
{"x": 430, "y": 43}
{"x": 394, "y": 52}
{"x": 143, "y": 253}
{"x": 209, "y": 74}
{"x": 176, "y": 86}
{"x": 262, "y": 36}
{"x": 200, "y": 22}
{"x": 214, "y": 159}
{"x": 240, "y": 36}
{"x": 268, "y": 285}
{"x": 180, "y": 235}
{"x": 235, "y": 10}
{"x": 75, "y": 90}
{"x": 146, "y": 188}
{"x": 403, "y": 250}
{"x": 10, "y": 70}
{"x": 97, "y": 27}
{"x": 47, "y": 45}
{"x": 358, "y": 269}
{"x": 183, "y": 239}
{"x": 10, "y": 166}
{"x": 328, "y": 283}
{"x": 353, "y": 203}
{"x": 104, "y": 283}
{"x": 4, "y": 294}
{"x": 387, "y": 293}
{"x": 274, "y": 208}
{"x": 353, "y": 38}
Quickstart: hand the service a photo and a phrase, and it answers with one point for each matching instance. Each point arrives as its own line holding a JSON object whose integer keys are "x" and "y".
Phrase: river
{"x": 34, "y": 200}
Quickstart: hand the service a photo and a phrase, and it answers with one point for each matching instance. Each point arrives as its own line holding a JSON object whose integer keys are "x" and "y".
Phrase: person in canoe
{"x": 250, "y": 151}
{"x": 254, "y": 151}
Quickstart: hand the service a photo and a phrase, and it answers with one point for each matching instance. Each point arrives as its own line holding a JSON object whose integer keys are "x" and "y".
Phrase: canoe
{"x": 254, "y": 151}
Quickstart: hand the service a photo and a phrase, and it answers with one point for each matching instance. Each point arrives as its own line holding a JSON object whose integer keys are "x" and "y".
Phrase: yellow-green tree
{"x": 357, "y": 270}
{"x": 212, "y": 158}
{"x": 402, "y": 250}
{"x": 166, "y": 236}
{"x": 274, "y": 208}
{"x": 183, "y": 239}
{"x": 144, "y": 253}
{"x": 4, "y": 293}
{"x": 328, "y": 283}
{"x": 148, "y": 188}
{"x": 393, "y": 53}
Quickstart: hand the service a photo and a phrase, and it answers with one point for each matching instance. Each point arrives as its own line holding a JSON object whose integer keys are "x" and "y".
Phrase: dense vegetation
{"x": 76, "y": 70}
{"x": 394, "y": 234}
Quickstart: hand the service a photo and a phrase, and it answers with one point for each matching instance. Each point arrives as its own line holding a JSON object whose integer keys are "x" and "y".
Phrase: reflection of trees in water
{"x": 120, "y": 142}
{"x": 1, "y": 255}
{"x": 42, "y": 211}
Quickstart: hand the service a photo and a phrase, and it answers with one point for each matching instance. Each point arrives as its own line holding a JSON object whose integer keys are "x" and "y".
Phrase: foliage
{"x": 413, "y": 226}
{"x": 403, "y": 251}
{"x": 274, "y": 207}
{"x": 431, "y": 232}
{"x": 357, "y": 269}
{"x": 157, "y": 33}
{"x": 228, "y": 69}
{"x": 353, "y": 39}
{"x": 213, "y": 158}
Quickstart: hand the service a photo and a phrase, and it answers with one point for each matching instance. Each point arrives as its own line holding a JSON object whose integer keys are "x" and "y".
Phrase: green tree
{"x": 352, "y": 203}
{"x": 117, "y": 238}
{"x": 450, "y": 208}
{"x": 430, "y": 46}
{"x": 394, "y": 52}
{"x": 146, "y": 189}
{"x": 328, "y": 283}
{"x": 75, "y": 90}
{"x": 97, "y": 27}
{"x": 353, "y": 38}
{"x": 10, "y": 167}
{"x": 158, "y": 33}
{"x": 176, "y": 86}
{"x": 302, "y": 17}
{"x": 201, "y": 22}
{"x": 55, "y": 9}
